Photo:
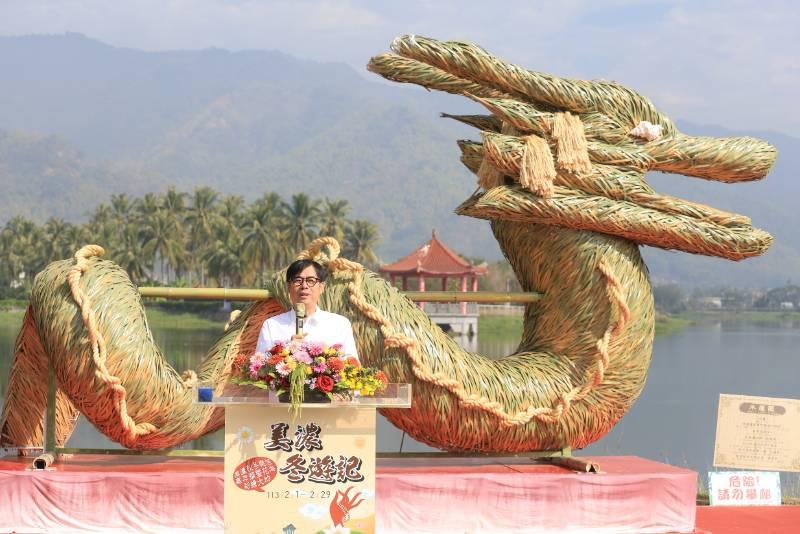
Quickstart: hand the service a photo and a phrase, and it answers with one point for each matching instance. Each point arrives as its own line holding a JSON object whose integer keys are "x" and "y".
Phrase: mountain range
{"x": 81, "y": 120}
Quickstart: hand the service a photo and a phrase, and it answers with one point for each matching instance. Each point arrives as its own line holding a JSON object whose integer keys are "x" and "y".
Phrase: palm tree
{"x": 360, "y": 242}
{"x": 130, "y": 255}
{"x": 162, "y": 241}
{"x": 200, "y": 218}
{"x": 230, "y": 211}
{"x": 51, "y": 246}
{"x": 173, "y": 203}
{"x": 21, "y": 255}
{"x": 300, "y": 224}
{"x": 333, "y": 218}
{"x": 73, "y": 238}
{"x": 262, "y": 246}
{"x": 223, "y": 257}
{"x": 147, "y": 207}
{"x": 121, "y": 207}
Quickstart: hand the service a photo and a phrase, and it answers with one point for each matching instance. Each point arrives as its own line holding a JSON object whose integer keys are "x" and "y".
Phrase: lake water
{"x": 673, "y": 421}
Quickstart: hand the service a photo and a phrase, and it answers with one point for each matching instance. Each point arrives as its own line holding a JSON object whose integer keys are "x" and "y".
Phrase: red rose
{"x": 325, "y": 383}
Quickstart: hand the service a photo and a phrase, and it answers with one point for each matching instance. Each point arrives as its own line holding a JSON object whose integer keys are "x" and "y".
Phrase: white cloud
{"x": 312, "y": 511}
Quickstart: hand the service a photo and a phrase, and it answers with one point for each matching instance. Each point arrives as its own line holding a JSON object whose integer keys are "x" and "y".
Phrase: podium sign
{"x": 311, "y": 474}
{"x": 301, "y": 476}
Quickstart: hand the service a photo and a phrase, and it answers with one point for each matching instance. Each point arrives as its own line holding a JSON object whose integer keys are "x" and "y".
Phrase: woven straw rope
{"x": 398, "y": 340}
{"x": 98, "y": 342}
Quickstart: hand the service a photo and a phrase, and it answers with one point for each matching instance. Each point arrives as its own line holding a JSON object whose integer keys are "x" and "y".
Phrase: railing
{"x": 208, "y": 293}
{"x": 451, "y": 308}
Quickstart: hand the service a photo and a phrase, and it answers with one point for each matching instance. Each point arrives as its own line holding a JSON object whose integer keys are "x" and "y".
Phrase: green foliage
{"x": 163, "y": 239}
{"x": 669, "y": 298}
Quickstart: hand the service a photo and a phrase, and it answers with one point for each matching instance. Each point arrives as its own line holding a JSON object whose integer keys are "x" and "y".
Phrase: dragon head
{"x": 574, "y": 153}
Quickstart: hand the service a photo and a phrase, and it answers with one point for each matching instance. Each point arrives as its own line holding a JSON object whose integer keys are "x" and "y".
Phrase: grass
{"x": 499, "y": 327}
{"x": 752, "y": 316}
{"x": 667, "y": 324}
{"x": 157, "y": 318}
{"x": 160, "y": 318}
{"x": 502, "y": 327}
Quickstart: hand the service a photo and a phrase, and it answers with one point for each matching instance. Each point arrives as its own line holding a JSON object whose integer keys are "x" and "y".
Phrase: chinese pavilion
{"x": 435, "y": 260}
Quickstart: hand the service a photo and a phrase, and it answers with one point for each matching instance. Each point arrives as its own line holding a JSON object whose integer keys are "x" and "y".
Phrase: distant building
{"x": 787, "y": 305}
{"x": 435, "y": 260}
{"x": 709, "y": 303}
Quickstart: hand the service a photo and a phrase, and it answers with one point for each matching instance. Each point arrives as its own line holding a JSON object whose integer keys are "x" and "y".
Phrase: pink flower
{"x": 315, "y": 349}
{"x": 302, "y": 357}
{"x": 319, "y": 367}
{"x": 256, "y": 362}
{"x": 283, "y": 369}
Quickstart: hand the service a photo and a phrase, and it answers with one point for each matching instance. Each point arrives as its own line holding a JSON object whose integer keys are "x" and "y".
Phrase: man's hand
{"x": 299, "y": 337}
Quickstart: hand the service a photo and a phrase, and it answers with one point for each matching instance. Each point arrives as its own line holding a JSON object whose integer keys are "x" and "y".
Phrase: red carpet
{"x": 749, "y": 519}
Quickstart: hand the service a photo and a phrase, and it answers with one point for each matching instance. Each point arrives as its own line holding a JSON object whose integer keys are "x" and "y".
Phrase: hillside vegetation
{"x": 81, "y": 120}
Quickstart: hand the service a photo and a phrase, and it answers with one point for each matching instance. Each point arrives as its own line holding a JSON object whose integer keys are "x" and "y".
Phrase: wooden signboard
{"x": 758, "y": 433}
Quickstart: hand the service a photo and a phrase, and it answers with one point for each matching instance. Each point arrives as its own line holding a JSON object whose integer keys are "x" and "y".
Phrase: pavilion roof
{"x": 433, "y": 258}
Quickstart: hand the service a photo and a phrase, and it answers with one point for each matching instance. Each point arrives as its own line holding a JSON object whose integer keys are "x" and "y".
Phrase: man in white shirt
{"x": 305, "y": 280}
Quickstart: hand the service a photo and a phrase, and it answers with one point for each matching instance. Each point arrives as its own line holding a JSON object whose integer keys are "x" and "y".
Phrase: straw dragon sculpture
{"x": 561, "y": 178}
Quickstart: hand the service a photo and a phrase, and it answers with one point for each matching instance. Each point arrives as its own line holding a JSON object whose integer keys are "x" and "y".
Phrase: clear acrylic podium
{"x": 310, "y": 473}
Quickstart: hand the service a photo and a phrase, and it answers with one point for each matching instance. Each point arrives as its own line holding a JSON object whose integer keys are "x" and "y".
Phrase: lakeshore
{"x": 188, "y": 315}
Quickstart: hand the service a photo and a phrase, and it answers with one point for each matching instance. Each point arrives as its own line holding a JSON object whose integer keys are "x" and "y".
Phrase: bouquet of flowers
{"x": 296, "y": 367}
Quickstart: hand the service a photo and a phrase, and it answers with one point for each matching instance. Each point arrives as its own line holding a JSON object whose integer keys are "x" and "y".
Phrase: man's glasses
{"x": 310, "y": 281}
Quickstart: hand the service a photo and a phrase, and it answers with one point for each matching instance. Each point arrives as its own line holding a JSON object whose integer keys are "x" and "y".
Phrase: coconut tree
{"x": 300, "y": 224}
{"x": 173, "y": 203}
{"x": 162, "y": 241}
{"x": 262, "y": 246}
{"x": 121, "y": 207}
{"x": 333, "y": 218}
{"x": 130, "y": 255}
{"x": 72, "y": 238}
{"x": 200, "y": 219}
{"x": 51, "y": 245}
{"x": 360, "y": 241}
{"x": 231, "y": 211}
{"x": 224, "y": 257}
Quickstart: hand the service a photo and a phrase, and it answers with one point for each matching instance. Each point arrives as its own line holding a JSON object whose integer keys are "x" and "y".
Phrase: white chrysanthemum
{"x": 245, "y": 435}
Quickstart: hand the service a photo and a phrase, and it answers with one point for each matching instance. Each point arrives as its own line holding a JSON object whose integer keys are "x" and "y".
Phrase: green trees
{"x": 197, "y": 238}
{"x": 361, "y": 238}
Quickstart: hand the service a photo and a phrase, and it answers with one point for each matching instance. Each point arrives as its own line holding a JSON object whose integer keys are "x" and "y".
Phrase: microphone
{"x": 300, "y": 315}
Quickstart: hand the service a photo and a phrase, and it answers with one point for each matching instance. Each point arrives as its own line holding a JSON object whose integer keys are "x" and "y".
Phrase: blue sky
{"x": 730, "y": 63}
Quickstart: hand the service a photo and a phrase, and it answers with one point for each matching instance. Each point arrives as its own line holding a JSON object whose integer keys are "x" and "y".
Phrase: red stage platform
{"x": 488, "y": 495}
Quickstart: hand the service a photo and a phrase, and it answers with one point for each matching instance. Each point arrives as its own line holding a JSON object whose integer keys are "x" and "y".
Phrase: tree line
{"x": 197, "y": 239}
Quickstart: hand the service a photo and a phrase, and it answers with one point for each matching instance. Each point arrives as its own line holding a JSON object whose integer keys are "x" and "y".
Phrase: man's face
{"x": 302, "y": 292}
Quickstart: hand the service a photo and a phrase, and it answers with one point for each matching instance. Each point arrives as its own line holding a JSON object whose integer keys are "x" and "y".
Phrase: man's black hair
{"x": 299, "y": 266}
